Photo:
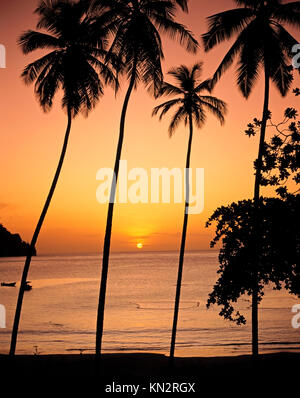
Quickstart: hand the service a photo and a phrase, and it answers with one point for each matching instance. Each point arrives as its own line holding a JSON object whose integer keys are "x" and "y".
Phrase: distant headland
{"x": 11, "y": 245}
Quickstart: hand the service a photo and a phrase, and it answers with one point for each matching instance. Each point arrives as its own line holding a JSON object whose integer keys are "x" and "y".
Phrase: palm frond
{"x": 165, "y": 107}
{"x": 180, "y": 73}
{"x": 277, "y": 61}
{"x": 170, "y": 89}
{"x": 151, "y": 75}
{"x": 33, "y": 40}
{"x": 46, "y": 87}
{"x": 199, "y": 114}
{"x": 286, "y": 40}
{"x": 244, "y": 37}
{"x": 253, "y": 4}
{"x": 224, "y": 25}
{"x": 183, "y": 4}
{"x": 176, "y": 31}
{"x": 105, "y": 71}
{"x": 215, "y": 102}
{"x": 196, "y": 70}
{"x": 150, "y": 56}
{"x": 214, "y": 105}
{"x": 206, "y": 85}
{"x": 228, "y": 59}
{"x": 282, "y": 76}
{"x": 251, "y": 58}
{"x": 32, "y": 70}
{"x": 288, "y": 13}
{"x": 178, "y": 117}
{"x": 165, "y": 8}
{"x": 51, "y": 14}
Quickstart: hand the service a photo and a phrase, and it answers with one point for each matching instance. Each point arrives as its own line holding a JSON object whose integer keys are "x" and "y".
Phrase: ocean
{"x": 59, "y": 313}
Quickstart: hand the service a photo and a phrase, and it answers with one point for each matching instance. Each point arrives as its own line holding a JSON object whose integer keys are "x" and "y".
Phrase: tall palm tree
{"x": 73, "y": 65}
{"x": 191, "y": 107}
{"x": 136, "y": 26}
{"x": 262, "y": 45}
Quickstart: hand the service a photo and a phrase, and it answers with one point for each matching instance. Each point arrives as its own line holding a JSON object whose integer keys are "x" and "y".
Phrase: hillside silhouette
{"x": 11, "y": 245}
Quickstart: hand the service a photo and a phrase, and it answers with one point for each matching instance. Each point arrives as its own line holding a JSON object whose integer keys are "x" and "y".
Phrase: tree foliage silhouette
{"x": 278, "y": 247}
{"x": 190, "y": 107}
{"x": 74, "y": 66}
{"x": 281, "y": 159}
{"x": 136, "y": 27}
{"x": 279, "y": 243}
{"x": 262, "y": 43}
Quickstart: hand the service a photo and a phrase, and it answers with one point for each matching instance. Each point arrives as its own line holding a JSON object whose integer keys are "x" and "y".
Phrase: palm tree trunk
{"x": 107, "y": 238}
{"x": 183, "y": 240}
{"x": 258, "y": 176}
{"x": 14, "y": 335}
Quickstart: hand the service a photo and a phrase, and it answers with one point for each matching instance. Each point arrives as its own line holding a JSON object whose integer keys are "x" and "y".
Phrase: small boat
{"x": 10, "y": 284}
{"x": 27, "y": 286}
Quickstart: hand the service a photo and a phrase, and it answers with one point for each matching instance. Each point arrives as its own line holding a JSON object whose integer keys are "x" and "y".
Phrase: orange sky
{"x": 31, "y": 143}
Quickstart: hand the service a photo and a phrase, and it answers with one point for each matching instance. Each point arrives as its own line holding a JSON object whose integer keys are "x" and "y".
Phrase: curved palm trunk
{"x": 14, "y": 335}
{"x": 107, "y": 238}
{"x": 183, "y": 239}
{"x": 258, "y": 176}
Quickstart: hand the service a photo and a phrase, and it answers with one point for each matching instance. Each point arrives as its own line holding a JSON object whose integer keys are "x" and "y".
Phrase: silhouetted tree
{"x": 191, "y": 107}
{"x": 281, "y": 155}
{"x": 74, "y": 66}
{"x": 136, "y": 26}
{"x": 279, "y": 243}
{"x": 278, "y": 247}
{"x": 262, "y": 44}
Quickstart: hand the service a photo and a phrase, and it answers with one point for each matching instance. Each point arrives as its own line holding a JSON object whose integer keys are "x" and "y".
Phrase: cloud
{"x": 3, "y": 205}
{"x": 175, "y": 234}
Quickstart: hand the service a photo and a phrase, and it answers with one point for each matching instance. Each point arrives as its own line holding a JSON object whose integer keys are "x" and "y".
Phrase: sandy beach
{"x": 78, "y": 373}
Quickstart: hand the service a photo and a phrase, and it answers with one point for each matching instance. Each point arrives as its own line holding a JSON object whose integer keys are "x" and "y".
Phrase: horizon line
{"x": 137, "y": 251}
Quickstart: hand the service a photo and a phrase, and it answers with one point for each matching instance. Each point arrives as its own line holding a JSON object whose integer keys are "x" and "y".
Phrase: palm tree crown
{"x": 190, "y": 101}
{"x": 74, "y": 62}
{"x": 261, "y": 41}
{"x": 136, "y": 26}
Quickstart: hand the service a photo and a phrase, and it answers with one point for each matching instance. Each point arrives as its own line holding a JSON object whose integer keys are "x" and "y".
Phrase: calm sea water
{"x": 59, "y": 314}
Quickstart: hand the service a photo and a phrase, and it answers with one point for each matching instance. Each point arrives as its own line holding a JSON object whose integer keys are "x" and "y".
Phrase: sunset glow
{"x": 31, "y": 141}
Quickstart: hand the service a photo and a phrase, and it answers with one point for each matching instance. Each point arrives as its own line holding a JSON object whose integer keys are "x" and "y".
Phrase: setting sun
{"x": 139, "y": 245}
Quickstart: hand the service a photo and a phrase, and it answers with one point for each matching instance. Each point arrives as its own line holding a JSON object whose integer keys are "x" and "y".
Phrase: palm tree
{"x": 136, "y": 26}
{"x": 262, "y": 44}
{"x": 73, "y": 65}
{"x": 191, "y": 107}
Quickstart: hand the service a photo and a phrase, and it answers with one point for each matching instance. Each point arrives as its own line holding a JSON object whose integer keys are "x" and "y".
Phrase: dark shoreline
{"x": 75, "y": 372}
